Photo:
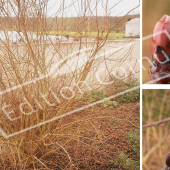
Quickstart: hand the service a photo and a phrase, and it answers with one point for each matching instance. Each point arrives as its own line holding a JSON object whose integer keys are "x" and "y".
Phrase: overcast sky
{"x": 75, "y": 8}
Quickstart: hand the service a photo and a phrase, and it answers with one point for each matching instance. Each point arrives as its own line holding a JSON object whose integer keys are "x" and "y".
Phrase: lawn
{"x": 112, "y": 35}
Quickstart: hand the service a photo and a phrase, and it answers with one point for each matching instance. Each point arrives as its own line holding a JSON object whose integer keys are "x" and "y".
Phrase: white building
{"x": 132, "y": 28}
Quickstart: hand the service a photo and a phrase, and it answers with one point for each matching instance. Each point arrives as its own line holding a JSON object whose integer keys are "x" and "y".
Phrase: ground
{"x": 102, "y": 137}
{"x": 94, "y": 138}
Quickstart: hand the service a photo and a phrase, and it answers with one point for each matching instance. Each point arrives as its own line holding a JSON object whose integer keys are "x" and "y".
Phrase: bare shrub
{"x": 39, "y": 69}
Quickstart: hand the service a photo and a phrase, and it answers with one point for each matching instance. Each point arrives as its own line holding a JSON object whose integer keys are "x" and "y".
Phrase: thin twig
{"x": 156, "y": 123}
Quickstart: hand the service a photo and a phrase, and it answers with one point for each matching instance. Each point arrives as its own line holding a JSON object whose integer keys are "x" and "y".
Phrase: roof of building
{"x": 134, "y": 21}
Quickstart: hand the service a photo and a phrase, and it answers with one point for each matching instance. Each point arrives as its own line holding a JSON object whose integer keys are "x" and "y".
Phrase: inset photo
{"x": 69, "y": 85}
{"x": 156, "y": 129}
{"x": 156, "y": 42}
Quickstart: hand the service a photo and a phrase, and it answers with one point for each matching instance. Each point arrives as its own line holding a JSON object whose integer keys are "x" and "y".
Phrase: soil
{"x": 91, "y": 139}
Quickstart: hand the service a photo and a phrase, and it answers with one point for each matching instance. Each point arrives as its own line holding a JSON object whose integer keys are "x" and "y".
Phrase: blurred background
{"x": 152, "y": 11}
{"x": 156, "y": 139}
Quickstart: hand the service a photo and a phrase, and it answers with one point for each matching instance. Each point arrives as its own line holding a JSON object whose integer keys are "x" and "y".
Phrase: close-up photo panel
{"x": 155, "y": 42}
{"x": 70, "y": 85}
{"x": 156, "y": 129}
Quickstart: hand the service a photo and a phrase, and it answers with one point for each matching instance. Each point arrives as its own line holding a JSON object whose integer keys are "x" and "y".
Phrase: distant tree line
{"x": 73, "y": 24}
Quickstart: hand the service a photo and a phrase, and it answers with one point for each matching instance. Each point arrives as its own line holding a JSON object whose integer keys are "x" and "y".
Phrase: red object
{"x": 160, "y": 49}
{"x": 161, "y": 39}
{"x": 168, "y": 160}
{"x": 161, "y": 125}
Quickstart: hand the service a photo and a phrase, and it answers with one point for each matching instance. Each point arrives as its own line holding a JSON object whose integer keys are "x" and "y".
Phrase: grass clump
{"x": 96, "y": 96}
{"x": 121, "y": 86}
{"x": 132, "y": 96}
{"x": 131, "y": 161}
{"x": 110, "y": 103}
{"x": 126, "y": 163}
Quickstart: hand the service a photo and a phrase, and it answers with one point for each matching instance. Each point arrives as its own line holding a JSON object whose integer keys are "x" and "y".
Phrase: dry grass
{"x": 86, "y": 140}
